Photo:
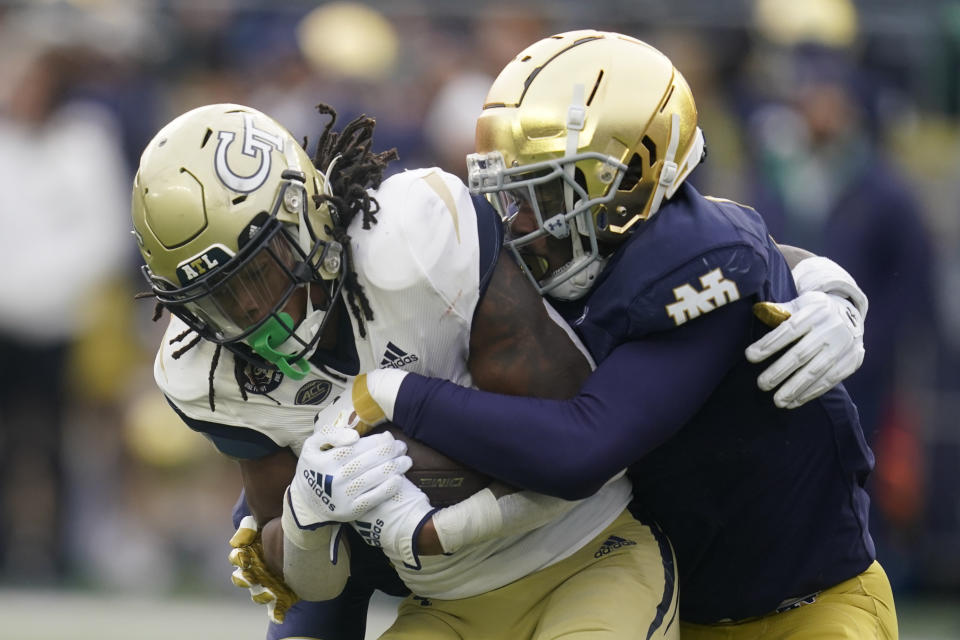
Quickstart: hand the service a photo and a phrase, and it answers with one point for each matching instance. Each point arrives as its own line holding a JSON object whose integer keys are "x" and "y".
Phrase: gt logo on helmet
{"x": 255, "y": 141}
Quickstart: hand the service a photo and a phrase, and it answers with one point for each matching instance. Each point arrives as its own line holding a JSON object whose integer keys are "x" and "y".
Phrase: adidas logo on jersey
{"x": 611, "y": 544}
{"x": 395, "y": 357}
{"x": 370, "y": 531}
{"x": 322, "y": 485}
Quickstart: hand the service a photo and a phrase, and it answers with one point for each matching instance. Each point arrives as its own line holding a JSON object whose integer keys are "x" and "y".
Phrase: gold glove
{"x": 252, "y": 572}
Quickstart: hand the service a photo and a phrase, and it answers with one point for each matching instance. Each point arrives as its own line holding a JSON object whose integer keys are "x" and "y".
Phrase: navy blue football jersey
{"x": 763, "y": 505}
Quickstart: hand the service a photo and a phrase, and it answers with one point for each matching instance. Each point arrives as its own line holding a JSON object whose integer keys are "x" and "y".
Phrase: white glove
{"x": 823, "y": 274}
{"x": 824, "y": 333}
{"x": 394, "y": 524}
{"x": 341, "y": 483}
{"x": 252, "y": 573}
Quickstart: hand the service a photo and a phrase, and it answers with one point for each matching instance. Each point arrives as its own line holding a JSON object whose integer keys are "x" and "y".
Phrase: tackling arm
{"x": 569, "y": 448}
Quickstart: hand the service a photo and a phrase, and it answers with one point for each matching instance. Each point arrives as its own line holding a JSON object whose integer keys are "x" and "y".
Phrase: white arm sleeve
{"x": 316, "y": 564}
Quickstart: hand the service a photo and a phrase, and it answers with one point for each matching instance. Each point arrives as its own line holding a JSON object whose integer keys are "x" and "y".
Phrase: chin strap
{"x": 668, "y": 173}
{"x": 274, "y": 332}
{"x": 576, "y": 117}
{"x": 576, "y": 120}
{"x": 672, "y": 173}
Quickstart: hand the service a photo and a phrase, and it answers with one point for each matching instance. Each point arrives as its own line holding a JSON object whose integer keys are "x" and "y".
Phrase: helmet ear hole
{"x": 651, "y": 148}
{"x": 633, "y": 174}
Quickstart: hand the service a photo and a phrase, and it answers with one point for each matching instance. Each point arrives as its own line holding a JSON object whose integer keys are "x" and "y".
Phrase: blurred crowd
{"x": 838, "y": 120}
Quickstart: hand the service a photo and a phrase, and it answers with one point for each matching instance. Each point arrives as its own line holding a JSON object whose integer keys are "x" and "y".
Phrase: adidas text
{"x": 370, "y": 532}
{"x": 612, "y": 544}
{"x": 395, "y": 357}
{"x": 311, "y": 477}
{"x": 399, "y": 362}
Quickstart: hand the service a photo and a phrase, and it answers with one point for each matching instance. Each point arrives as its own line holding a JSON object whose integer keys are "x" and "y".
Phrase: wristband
{"x": 375, "y": 394}
{"x": 468, "y": 521}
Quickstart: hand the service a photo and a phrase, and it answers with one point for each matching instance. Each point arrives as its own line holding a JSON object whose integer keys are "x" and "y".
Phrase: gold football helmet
{"x": 225, "y": 219}
{"x": 592, "y": 130}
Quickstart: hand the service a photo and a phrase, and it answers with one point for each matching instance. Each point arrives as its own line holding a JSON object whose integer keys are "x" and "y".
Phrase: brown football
{"x": 445, "y": 481}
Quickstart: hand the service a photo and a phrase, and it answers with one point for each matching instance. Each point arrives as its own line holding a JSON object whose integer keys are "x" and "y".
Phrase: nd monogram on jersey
{"x": 716, "y": 291}
{"x": 419, "y": 266}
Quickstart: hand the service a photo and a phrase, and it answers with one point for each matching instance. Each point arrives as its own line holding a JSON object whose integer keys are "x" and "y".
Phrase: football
{"x": 444, "y": 480}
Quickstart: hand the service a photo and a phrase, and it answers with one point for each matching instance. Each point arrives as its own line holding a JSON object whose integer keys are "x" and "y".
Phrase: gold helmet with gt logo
{"x": 592, "y": 130}
{"x": 225, "y": 216}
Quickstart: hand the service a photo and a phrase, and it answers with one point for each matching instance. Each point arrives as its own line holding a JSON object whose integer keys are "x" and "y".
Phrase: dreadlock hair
{"x": 355, "y": 169}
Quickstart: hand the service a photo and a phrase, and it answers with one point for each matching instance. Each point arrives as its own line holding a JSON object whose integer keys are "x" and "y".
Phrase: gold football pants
{"x": 860, "y": 608}
{"x": 620, "y": 585}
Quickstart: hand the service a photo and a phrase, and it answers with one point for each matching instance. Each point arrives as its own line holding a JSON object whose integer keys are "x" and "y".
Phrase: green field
{"x": 28, "y": 615}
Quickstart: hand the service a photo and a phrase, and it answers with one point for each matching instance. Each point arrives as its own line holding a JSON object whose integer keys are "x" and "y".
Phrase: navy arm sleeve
{"x": 641, "y": 394}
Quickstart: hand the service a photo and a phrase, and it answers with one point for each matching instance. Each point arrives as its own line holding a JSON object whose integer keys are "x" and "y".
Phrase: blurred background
{"x": 837, "y": 119}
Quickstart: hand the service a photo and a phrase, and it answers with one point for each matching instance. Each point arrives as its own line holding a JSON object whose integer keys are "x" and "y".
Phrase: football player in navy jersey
{"x": 584, "y": 144}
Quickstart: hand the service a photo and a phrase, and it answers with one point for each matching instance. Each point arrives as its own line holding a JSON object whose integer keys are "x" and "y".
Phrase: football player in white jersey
{"x": 285, "y": 282}
{"x": 308, "y": 279}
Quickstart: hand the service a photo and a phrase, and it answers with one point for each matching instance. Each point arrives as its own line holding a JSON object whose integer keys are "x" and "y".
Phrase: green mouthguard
{"x": 273, "y": 333}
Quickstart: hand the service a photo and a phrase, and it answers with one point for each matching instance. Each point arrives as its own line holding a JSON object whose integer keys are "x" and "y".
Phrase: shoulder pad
{"x": 185, "y": 381}
{"x": 185, "y": 378}
{"x": 426, "y": 233}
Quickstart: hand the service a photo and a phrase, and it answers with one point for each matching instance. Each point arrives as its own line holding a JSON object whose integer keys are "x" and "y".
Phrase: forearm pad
{"x": 316, "y": 563}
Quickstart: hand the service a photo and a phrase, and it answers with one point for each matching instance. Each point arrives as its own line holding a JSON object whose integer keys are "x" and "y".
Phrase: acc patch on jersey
{"x": 258, "y": 380}
{"x": 314, "y": 392}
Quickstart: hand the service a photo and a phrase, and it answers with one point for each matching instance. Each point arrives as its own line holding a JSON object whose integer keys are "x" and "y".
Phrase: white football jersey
{"x": 419, "y": 266}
